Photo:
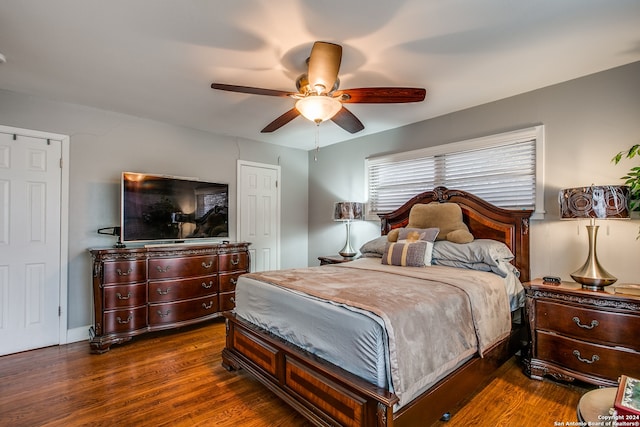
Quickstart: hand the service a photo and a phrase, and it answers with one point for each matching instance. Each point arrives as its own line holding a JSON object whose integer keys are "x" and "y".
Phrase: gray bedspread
{"x": 435, "y": 317}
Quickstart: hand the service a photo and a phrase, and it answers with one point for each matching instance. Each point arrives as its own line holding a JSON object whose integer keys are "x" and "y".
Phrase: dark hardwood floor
{"x": 176, "y": 379}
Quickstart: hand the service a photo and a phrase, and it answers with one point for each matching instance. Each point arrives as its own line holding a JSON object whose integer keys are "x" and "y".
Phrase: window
{"x": 504, "y": 169}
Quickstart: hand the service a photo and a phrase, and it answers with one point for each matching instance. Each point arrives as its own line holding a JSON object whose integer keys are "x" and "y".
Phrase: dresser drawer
{"x": 227, "y": 301}
{"x": 589, "y": 324}
{"x": 179, "y": 289}
{"x": 228, "y": 281}
{"x": 587, "y": 358}
{"x": 167, "y": 268}
{"x": 120, "y": 296}
{"x": 175, "y": 312}
{"x": 124, "y": 272}
{"x": 125, "y": 320}
{"x": 234, "y": 262}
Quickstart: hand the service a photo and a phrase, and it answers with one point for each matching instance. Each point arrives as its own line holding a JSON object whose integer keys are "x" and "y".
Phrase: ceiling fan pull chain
{"x": 315, "y": 156}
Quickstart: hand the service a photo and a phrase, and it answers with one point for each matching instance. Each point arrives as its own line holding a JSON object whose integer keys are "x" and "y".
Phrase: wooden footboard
{"x": 329, "y": 396}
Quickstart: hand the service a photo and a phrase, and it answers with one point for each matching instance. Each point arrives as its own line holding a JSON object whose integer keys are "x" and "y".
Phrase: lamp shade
{"x": 596, "y": 201}
{"x": 348, "y": 211}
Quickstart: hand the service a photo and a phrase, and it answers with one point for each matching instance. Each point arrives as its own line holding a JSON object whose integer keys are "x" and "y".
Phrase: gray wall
{"x": 587, "y": 121}
{"x": 103, "y": 144}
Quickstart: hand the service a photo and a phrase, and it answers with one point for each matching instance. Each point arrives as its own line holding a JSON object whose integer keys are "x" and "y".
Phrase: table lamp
{"x": 347, "y": 212}
{"x": 594, "y": 202}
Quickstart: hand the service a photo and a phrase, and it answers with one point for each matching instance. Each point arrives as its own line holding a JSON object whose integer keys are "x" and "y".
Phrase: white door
{"x": 30, "y": 236}
{"x": 259, "y": 213}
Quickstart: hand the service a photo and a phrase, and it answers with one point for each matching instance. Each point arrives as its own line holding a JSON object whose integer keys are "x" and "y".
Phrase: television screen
{"x": 168, "y": 208}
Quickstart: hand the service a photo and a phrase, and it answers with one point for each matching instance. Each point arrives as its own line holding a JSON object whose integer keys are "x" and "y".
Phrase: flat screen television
{"x": 161, "y": 208}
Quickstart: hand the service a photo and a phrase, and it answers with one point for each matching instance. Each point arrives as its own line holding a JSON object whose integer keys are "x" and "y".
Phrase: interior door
{"x": 30, "y": 236}
{"x": 259, "y": 213}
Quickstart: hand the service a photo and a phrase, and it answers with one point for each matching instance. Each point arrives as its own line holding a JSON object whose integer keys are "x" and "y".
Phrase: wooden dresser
{"x": 138, "y": 290}
{"x": 582, "y": 334}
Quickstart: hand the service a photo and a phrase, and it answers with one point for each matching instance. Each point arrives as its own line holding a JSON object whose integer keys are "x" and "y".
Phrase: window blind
{"x": 502, "y": 172}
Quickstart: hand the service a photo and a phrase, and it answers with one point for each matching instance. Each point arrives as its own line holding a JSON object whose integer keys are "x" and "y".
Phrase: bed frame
{"x": 328, "y": 395}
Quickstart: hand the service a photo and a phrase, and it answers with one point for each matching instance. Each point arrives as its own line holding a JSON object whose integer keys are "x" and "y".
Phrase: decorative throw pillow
{"x": 405, "y": 254}
{"x": 426, "y": 234}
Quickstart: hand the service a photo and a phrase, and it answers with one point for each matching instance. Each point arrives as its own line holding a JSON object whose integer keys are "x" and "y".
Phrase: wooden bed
{"x": 328, "y": 395}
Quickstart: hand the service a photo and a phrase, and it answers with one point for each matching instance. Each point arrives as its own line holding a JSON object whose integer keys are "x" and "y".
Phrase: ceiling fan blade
{"x": 347, "y": 121}
{"x": 381, "y": 95}
{"x": 324, "y": 64}
{"x": 281, "y": 121}
{"x": 250, "y": 90}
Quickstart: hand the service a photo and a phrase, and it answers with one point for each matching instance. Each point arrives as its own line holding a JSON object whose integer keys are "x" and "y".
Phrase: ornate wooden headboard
{"x": 485, "y": 221}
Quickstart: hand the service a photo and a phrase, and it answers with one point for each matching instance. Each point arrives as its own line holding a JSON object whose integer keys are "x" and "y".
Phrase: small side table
{"x": 595, "y": 405}
{"x": 334, "y": 259}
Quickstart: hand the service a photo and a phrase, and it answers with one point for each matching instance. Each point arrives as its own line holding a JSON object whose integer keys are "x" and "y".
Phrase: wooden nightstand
{"x": 334, "y": 259}
{"x": 582, "y": 334}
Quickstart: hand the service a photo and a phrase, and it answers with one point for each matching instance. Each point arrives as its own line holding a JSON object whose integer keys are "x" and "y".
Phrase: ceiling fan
{"x": 318, "y": 98}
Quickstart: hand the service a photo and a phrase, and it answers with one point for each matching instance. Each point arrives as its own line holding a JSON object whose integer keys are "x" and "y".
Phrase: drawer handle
{"x": 207, "y": 266}
{"x": 207, "y": 285}
{"x": 161, "y": 292}
{"x": 207, "y": 306}
{"x": 119, "y": 295}
{"x": 122, "y": 322}
{"x": 233, "y": 281}
{"x": 594, "y": 323}
{"x": 594, "y": 358}
{"x": 163, "y": 269}
{"x": 124, "y": 273}
{"x": 232, "y": 299}
{"x": 235, "y": 261}
{"x": 161, "y": 314}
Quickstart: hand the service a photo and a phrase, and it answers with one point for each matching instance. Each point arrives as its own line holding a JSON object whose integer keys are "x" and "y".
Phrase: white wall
{"x": 103, "y": 144}
{"x": 587, "y": 121}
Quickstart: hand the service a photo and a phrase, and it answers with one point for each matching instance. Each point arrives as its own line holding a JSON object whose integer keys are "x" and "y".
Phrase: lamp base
{"x": 592, "y": 275}
{"x": 594, "y": 283}
{"x": 347, "y": 251}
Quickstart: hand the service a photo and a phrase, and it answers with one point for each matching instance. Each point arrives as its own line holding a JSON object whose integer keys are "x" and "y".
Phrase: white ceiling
{"x": 157, "y": 58}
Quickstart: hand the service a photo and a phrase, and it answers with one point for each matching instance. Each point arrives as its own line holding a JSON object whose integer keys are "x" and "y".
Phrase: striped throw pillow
{"x": 405, "y": 254}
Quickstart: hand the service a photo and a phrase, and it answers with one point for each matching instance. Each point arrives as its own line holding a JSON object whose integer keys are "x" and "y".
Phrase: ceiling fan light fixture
{"x": 318, "y": 108}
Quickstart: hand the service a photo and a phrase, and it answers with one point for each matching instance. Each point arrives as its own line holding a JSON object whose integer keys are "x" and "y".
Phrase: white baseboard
{"x": 78, "y": 334}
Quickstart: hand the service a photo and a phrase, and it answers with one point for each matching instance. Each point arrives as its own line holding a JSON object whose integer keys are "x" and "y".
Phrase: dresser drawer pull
{"x": 207, "y": 285}
{"x": 124, "y": 273}
{"x": 235, "y": 261}
{"x": 233, "y": 281}
{"x": 594, "y": 358}
{"x": 122, "y": 322}
{"x": 207, "y": 306}
{"x": 232, "y": 299}
{"x": 207, "y": 266}
{"x": 161, "y": 292}
{"x": 594, "y": 323}
{"x": 163, "y": 269}
{"x": 161, "y": 314}
{"x": 119, "y": 295}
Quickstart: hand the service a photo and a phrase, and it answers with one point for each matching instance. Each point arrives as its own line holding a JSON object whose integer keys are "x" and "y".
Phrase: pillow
{"x": 405, "y": 254}
{"x": 428, "y": 234}
{"x": 425, "y": 234}
{"x": 491, "y": 252}
{"x": 445, "y": 216}
{"x": 374, "y": 248}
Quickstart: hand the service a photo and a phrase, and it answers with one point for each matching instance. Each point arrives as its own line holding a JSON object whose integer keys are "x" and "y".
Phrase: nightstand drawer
{"x": 587, "y": 358}
{"x": 589, "y": 324}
